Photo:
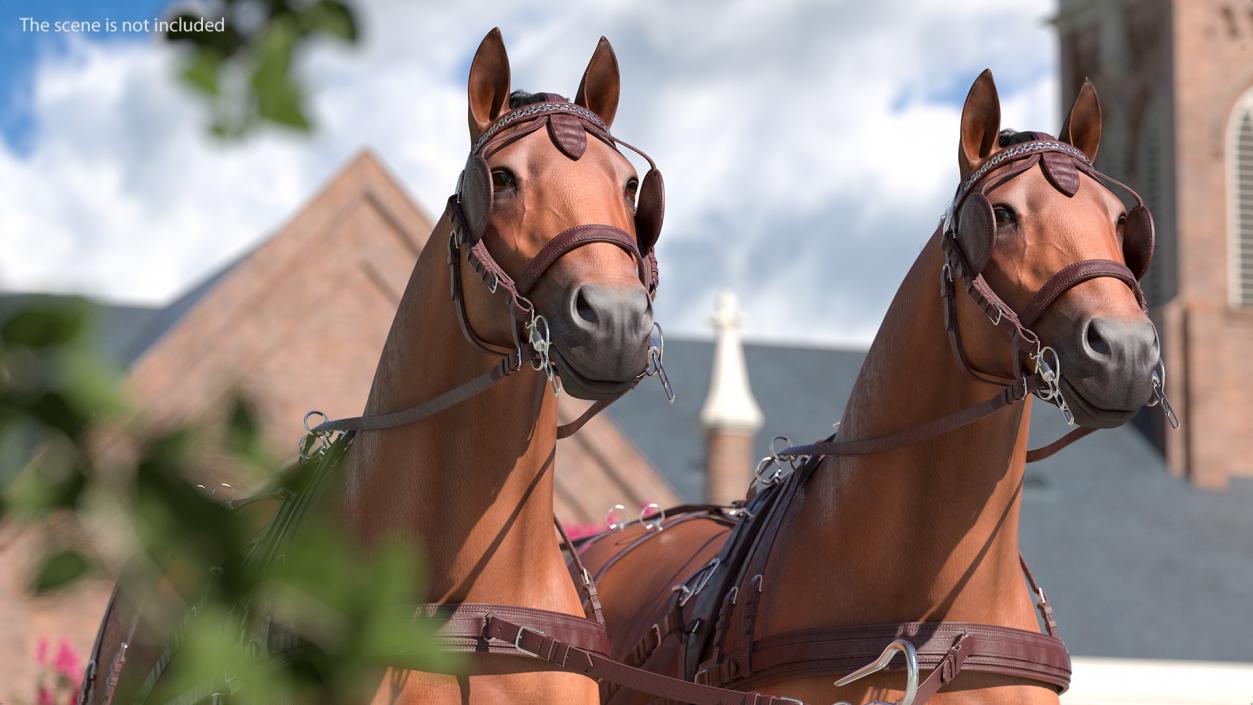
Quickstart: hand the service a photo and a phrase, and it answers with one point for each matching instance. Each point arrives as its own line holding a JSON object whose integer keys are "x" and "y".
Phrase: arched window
{"x": 1240, "y": 198}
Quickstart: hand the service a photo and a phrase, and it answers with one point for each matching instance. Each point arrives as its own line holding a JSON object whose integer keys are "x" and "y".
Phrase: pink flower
{"x": 45, "y": 697}
{"x": 41, "y": 652}
{"x": 66, "y": 663}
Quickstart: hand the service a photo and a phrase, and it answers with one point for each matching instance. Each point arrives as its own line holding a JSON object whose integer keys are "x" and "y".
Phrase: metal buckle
{"x": 517, "y": 640}
{"x": 885, "y": 658}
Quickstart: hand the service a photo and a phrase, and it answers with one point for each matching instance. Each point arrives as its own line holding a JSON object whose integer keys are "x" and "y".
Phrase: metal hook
{"x": 885, "y": 658}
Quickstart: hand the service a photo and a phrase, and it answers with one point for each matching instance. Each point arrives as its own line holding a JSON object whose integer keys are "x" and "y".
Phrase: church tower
{"x": 1175, "y": 79}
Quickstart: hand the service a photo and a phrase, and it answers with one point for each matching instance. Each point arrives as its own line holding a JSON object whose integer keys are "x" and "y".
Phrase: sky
{"x": 808, "y": 147}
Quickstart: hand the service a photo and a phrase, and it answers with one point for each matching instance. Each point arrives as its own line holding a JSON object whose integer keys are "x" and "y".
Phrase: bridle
{"x": 469, "y": 213}
{"x": 967, "y": 237}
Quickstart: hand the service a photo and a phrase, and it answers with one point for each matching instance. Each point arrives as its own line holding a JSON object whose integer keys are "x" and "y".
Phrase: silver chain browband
{"x": 1017, "y": 151}
{"x": 530, "y": 111}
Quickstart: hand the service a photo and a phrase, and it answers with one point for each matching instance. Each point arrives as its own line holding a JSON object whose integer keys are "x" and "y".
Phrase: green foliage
{"x": 246, "y": 71}
{"x": 344, "y": 614}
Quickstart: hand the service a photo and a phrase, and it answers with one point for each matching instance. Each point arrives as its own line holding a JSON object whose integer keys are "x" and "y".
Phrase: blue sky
{"x": 20, "y": 51}
{"x": 780, "y": 126}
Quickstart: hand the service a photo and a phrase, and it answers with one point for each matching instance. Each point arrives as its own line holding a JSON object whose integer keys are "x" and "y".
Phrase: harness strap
{"x": 450, "y": 398}
{"x": 468, "y": 628}
{"x": 565, "y": 656}
{"x": 1009, "y": 395}
{"x": 947, "y": 647}
{"x": 1036, "y": 454}
{"x": 584, "y": 578}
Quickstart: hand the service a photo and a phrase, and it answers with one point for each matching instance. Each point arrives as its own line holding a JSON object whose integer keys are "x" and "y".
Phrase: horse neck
{"x": 929, "y": 531}
{"x": 473, "y": 484}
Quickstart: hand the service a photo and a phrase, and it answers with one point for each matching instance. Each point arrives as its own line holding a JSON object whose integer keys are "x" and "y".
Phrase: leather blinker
{"x": 475, "y": 196}
{"x": 1138, "y": 240}
{"x": 976, "y": 231}
{"x": 650, "y": 210}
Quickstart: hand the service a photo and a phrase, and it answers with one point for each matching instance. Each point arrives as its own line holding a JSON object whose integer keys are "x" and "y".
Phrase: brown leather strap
{"x": 569, "y": 429}
{"x": 574, "y": 238}
{"x": 452, "y": 397}
{"x": 583, "y": 578}
{"x": 1071, "y": 276}
{"x": 1010, "y": 394}
{"x": 1001, "y": 650}
{"x": 1036, "y": 454}
{"x": 523, "y": 638}
{"x": 466, "y": 627}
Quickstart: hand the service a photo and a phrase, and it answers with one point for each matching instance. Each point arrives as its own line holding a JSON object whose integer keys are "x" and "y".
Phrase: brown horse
{"x": 923, "y": 531}
{"x": 472, "y": 482}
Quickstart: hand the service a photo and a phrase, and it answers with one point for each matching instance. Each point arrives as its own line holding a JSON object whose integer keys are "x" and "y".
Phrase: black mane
{"x": 1009, "y": 137}
{"x": 517, "y": 99}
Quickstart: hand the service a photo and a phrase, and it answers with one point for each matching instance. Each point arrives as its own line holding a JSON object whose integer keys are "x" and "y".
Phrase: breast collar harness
{"x": 468, "y": 211}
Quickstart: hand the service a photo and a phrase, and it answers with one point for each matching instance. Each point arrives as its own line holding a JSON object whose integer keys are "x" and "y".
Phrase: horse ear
{"x": 598, "y": 91}
{"x": 1083, "y": 124}
{"x": 981, "y": 120}
{"x": 489, "y": 83}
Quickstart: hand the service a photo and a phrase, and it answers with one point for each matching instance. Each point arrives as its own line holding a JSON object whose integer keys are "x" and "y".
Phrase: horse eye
{"x": 632, "y": 187}
{"x": 503, "y": 179}
{"x": 1122, "y": 220}
{"x": 1004, "y": 215}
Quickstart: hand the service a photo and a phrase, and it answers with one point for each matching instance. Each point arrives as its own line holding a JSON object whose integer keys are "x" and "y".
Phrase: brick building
{"x": 1175, "y": 79}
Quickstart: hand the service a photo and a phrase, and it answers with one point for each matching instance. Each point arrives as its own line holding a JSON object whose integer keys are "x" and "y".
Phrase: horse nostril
{"x": 1094, "y": 340}
{"x": 583, "y": 308}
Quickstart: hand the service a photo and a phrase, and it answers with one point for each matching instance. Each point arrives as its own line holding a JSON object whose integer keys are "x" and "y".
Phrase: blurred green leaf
{"x": 330, "y": 17}
{"x": 45, "y": 325}
{"x": 59, "y": 570}
{"x": 201, "y": 72}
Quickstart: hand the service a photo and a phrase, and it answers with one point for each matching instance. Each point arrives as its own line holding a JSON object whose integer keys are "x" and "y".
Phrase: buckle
{"x": 517, "y": 640}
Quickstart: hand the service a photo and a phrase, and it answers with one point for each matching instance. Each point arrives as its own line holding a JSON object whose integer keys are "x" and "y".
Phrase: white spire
{"x": 730, "y": 405}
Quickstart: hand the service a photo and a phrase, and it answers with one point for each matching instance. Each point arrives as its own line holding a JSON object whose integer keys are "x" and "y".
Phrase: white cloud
{"x": 796, "y": 138}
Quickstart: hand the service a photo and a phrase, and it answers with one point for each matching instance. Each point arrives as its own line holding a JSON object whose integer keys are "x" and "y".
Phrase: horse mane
{"x": 1009, "y": 137}
{"x": 517, "y": 99}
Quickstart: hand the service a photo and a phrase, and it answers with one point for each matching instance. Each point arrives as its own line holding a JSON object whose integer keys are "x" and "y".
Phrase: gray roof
{"x": 1136, "y": 562}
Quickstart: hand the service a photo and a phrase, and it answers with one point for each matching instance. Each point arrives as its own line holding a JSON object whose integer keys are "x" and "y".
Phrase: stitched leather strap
{"x": 1071, "y": 276}
{"x": 1010, "y": 394}
{"x": 574, "y": 238}
{"x": 989, "y": 649}
{"x": 1037, "y": 454}
{"x": 526, "y": 639}
{"x": 452, "y": 397}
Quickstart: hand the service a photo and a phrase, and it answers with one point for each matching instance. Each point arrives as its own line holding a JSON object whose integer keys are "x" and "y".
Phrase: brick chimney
{"x": 730, "y": 416}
